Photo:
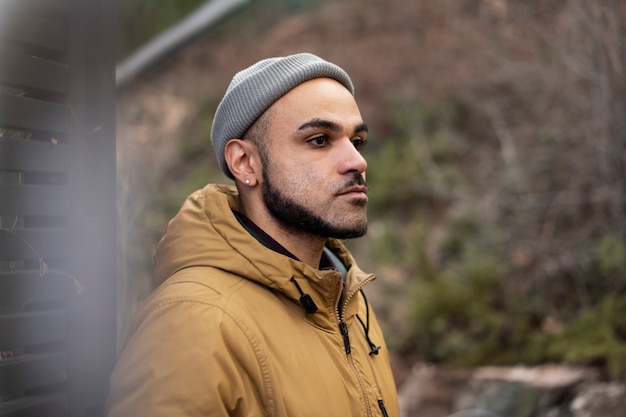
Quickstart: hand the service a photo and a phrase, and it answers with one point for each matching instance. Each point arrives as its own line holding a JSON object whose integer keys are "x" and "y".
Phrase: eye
{"x": 318, "y": 141}
{"x": 359, "y": 143}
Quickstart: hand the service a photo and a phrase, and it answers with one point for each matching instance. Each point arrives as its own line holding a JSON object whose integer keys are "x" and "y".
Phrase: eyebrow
{"x": 328, "y": 125}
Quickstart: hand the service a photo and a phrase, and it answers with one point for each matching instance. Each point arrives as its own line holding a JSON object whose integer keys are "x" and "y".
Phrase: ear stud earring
{"x": 247, "y": 182}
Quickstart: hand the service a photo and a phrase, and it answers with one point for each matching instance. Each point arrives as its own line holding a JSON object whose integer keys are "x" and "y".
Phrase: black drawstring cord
{"x": 366, "y": 326}
{"x": 310, "y": 307}
{"x": 305, "y": 299}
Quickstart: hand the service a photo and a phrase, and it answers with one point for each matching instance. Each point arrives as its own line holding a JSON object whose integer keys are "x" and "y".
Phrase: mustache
{"x": 357, "y": 179}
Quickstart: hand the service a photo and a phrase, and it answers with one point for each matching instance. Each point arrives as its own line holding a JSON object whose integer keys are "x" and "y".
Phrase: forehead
{"x": 321, "y": 98}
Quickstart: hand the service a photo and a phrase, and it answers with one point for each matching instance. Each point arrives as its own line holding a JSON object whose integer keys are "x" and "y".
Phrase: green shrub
{"x": 612, "y": 256}
{"x": 597, "y": 336}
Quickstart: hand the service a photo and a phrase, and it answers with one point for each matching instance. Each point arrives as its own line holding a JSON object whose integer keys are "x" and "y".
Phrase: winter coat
{"x": 226, "y": 333}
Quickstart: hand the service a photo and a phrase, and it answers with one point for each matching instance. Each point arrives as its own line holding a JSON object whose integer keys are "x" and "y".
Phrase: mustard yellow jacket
{"x": 226, "y": 334}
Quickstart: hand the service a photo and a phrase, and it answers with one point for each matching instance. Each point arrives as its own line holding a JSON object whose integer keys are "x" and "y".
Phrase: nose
{"x": 351, "y": 159}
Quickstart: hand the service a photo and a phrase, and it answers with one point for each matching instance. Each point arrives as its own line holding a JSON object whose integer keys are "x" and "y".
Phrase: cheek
{"x": 298, "y": 180}
{"x": 297, "y": 175}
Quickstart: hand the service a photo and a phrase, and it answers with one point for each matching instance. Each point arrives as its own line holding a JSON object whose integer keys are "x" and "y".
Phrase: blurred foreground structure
{"x": 57, "y": 207}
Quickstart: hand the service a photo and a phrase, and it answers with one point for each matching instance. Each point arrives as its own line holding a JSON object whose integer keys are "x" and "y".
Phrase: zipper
{"x": 343, "y": 328}
{"x": 348, "y": 297}
{"x": 381, "y": 403}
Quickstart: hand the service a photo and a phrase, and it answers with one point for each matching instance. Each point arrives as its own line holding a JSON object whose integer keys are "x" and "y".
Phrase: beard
{"x": 297, "y": 217}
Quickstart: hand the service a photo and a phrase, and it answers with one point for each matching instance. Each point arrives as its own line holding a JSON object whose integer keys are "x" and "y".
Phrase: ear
{"x": 240, "y": 155}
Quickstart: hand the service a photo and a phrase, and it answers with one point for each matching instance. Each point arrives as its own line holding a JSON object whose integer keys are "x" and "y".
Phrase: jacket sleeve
{"x": 189, "y": 358}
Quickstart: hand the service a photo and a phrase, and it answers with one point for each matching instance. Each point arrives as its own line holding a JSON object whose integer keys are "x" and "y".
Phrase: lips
{"x": 357, "y": 189}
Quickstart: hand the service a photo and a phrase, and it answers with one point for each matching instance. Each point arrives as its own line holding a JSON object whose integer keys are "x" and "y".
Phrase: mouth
{"x": 355, "y": 191}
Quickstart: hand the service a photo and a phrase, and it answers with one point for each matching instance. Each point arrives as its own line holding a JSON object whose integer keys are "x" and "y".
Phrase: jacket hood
{"x": 206, "y": 233}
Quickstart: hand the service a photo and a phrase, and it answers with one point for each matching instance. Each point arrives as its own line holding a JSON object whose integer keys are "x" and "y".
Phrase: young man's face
{"x": 313, "y": 178}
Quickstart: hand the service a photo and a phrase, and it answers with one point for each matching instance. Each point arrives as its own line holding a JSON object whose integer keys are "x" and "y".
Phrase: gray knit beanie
{"x": 256, "y": 88}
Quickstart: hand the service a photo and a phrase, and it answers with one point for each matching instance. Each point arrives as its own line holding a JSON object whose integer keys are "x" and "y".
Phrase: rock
{"x": 474, "y": 413}
{"x": 542, "y": 391}
{"x": 600, "y": 400}
{"x": 425, "y": 393}
{"x": 521, "y": 391}
{"x": 544, "y": 376}
{"x": 509, "y": 399}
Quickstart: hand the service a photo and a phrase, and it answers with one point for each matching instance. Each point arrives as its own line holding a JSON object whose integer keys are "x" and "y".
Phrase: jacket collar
{"x": 206, "y": 233}
{"x": 328, "y": 261}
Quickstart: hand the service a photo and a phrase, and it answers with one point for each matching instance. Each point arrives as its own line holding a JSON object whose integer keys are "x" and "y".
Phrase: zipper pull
{"x": 383, "y": 410}
{"x": 346, "y": 339}
{"x": 381, "y": 403}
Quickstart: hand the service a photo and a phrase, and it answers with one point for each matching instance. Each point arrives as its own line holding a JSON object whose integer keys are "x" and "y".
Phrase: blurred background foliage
{"x": 142, "y": 20}
{"x": 496, "y": 165}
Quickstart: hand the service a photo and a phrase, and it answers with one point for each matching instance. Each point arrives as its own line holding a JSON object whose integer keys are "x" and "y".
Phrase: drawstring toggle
{"x": 305, "y": 299}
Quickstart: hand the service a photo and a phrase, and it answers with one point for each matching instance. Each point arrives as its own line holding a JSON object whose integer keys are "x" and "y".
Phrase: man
{"x": 261, "y": 312}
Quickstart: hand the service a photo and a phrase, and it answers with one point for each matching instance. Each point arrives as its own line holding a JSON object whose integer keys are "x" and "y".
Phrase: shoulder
{"x": 196, "y": 311}
{"x": 195, "y": 292}
{"x": 186, "y": 342}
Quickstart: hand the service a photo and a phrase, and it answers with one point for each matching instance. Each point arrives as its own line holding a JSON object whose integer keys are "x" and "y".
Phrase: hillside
{"x": 497, "y": 166}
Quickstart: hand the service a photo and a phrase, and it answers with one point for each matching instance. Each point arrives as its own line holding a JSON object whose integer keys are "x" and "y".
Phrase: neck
{"x": 305, "y": 247}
